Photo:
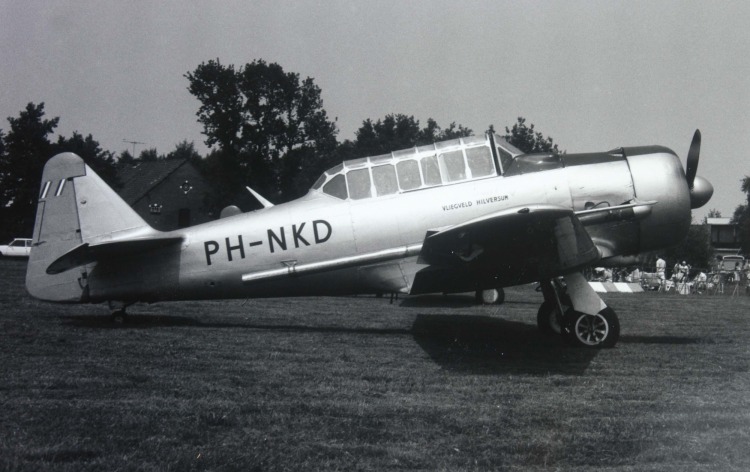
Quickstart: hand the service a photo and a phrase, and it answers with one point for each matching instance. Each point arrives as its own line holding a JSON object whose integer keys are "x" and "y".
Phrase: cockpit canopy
{"x": 442, "y": 163}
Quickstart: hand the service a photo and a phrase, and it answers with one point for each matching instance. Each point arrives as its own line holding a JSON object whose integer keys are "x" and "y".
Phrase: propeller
{"x": 692, "y": 159}
{"x": 701, "y": 189}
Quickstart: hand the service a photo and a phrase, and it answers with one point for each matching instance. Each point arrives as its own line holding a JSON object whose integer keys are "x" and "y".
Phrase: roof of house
{"x": 718, "y": 221}
{"x": 137, "y": 180}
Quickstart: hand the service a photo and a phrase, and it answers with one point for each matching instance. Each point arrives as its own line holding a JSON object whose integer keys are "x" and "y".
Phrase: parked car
{"x": 19, "y": 247}
{"x": 729, "y": 263}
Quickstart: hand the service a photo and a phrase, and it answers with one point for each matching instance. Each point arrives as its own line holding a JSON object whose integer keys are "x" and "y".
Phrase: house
{"x": 167, "y": 193}
{"x": 725, "y": 239}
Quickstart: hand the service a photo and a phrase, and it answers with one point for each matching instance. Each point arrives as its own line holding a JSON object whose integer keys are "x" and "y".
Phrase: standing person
{"x": 699, "y": 283}
{"x": 684, "y": 276}
{"x": 676, "y": 272}
{"x": 661, "y": 271}
{"x": 685, "y": 269}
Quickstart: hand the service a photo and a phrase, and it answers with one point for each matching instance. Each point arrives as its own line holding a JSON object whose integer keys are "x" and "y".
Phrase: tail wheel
{"x": 601, "y": 330}
{"x": 119, "y": 316}
{"x": 493, "y": 296}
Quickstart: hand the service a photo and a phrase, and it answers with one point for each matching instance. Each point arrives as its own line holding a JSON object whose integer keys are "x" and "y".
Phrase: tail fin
{"x": 75, "y": 206}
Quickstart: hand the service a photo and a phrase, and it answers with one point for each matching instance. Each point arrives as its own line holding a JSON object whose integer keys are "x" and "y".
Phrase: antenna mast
{"x": 133, "y": 143}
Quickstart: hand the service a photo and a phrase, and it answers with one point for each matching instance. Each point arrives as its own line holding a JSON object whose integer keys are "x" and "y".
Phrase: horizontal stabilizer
{"x": 87, "y": 253}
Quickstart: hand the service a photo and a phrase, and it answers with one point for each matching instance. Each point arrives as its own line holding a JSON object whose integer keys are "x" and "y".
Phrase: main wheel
{"x": 548, "y": 317}
{"x": 593, "y": 331}
{"x": 493, "y": 296}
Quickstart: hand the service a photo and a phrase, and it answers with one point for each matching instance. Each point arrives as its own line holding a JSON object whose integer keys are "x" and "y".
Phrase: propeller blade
{"x": 692, "y": 159}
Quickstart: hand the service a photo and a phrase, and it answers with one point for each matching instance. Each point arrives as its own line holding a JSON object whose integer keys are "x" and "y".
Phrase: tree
{"x": 741, "y": 217}
{"x": 27, "y": 148}
{"x": 222, "y": 170}
{"x": 2, "y": 147}
{"x": 149, "y": 155}
{"x": 185, "y": 150}
{"x": 125, "y": 158}
{"x": 433, "y": 133}
{"x": 695, "y": 249}
{"x": 399, "y": 131}
{"x": 23, "y": 153}
{"x": 527, "y": 140}
{"x": 260, "y": 117}
{"x": 712, "y": 213}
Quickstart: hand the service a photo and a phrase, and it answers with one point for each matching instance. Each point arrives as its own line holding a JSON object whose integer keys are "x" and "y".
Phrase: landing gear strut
{"x": 577, "y": 313}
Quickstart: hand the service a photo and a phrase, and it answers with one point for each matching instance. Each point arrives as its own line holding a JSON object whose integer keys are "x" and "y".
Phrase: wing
{"x": 510, "y": 247}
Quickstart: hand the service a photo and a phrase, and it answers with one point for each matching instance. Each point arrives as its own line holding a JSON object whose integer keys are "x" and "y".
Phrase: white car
{"x": 19, "y": 247}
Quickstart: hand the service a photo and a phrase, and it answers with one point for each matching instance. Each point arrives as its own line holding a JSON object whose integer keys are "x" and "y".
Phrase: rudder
{"x": 75, "y": 206}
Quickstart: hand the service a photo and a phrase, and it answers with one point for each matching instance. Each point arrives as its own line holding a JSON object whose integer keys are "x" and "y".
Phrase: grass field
{"x": 429, "y": 383}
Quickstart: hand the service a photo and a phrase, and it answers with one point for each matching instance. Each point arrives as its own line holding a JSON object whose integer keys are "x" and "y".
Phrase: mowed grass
{"x": 428, "y": 383}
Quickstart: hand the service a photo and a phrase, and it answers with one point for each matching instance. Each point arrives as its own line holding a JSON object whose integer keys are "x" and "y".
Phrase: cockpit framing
{"x": 442, "y": 163}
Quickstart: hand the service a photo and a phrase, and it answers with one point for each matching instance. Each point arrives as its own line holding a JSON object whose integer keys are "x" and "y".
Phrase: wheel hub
{"x": 591, "y": 329}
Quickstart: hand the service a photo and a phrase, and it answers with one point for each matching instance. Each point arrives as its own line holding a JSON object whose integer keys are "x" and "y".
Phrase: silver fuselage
{"x": 214, "y": 257}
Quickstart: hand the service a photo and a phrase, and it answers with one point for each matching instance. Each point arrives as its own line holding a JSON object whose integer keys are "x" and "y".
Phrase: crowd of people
{"x": 683, "y": 278}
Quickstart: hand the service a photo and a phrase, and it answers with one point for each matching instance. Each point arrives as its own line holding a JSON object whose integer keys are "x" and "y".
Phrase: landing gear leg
{"x": 550, "y": 317}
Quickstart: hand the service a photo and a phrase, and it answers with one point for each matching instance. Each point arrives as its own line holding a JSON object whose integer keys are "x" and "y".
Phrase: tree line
{"x": 265, "y": 127}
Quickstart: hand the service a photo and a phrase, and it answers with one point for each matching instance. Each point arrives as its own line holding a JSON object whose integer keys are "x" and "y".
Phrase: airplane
{"x": 469, "y": 214}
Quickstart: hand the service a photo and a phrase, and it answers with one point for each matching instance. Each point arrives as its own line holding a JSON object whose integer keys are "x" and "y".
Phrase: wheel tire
{"x": 547, "y": 316}
{"x": 593, "y": 331}
{"x": 493, "y": 296}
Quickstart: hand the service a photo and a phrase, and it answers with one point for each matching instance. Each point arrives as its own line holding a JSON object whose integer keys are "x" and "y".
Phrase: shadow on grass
{"x": 486, "y": 345}
{"x": 451, "y": 301}
{"x": 467, "y": 343}
{"x": 438, "y": 301}
{"x": 663, "y": 340}
{"x": 135, "y": 321}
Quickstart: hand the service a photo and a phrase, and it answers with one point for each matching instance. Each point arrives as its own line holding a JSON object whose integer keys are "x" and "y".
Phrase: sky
{"x": 594, "y": 75}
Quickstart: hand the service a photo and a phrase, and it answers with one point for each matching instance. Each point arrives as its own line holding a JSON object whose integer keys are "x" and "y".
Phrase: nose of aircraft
{"x": 701, "y": 192}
